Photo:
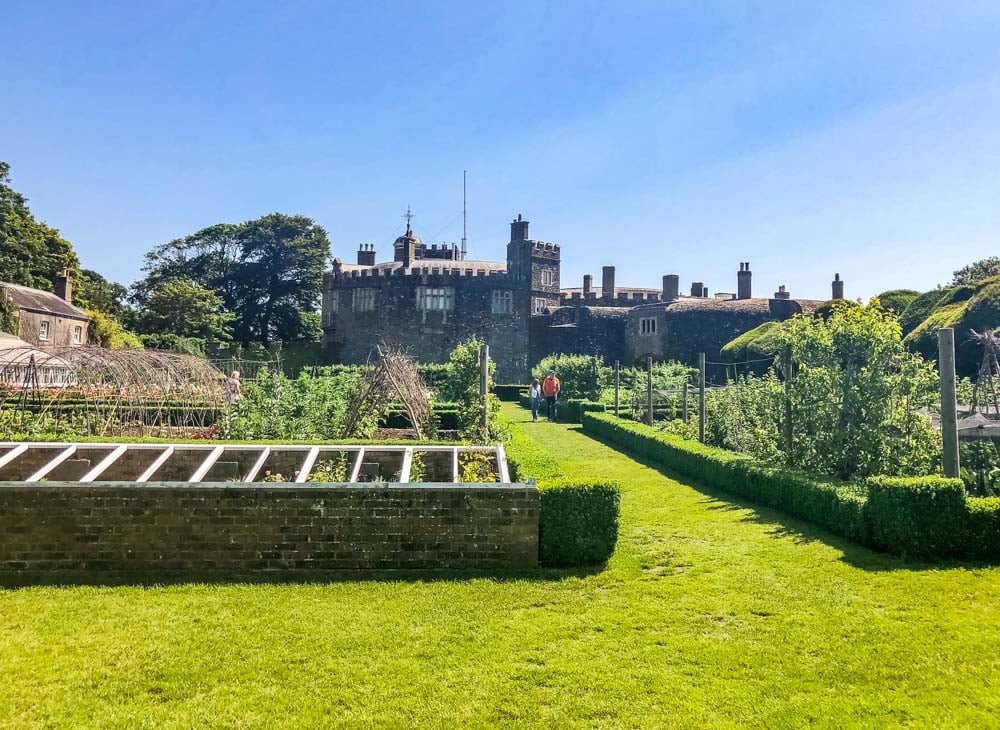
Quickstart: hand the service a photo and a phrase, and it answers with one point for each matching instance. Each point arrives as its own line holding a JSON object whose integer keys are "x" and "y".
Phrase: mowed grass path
{"x": 711, "y": 613}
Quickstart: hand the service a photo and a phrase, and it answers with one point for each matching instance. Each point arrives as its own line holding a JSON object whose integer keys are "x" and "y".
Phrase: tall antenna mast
{"x": 463, "y": 216}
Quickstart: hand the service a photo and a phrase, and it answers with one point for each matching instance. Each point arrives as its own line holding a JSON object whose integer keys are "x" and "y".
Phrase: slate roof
{"x": 37, "y": 300}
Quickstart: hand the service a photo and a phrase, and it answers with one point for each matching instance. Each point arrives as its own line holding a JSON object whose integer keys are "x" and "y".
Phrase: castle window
{"x": 539, "y": 305}
{"x": 334, "y": 301}
{"x": 647, "y": 326}
{"x": 77, "y": 335}
{"x": 503, "y": 302}
{"x": 548, "y": 278}
{"x": 364, "y": 300}
{"x": 435, "y": 298}
{"x": 43, "y": 330}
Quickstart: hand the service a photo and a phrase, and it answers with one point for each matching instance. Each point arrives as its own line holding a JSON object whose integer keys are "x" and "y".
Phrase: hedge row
{"x": 509, "y": 393}
{"x": 578, "y": 524}
{"x": 927, "y": 517}
{"x": 570, "y": 411}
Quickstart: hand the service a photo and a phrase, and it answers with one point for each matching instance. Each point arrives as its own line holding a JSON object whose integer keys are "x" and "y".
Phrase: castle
{"x": 429, "y": 298}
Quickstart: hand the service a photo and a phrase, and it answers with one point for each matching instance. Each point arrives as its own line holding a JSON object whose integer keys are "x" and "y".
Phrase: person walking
{"x": 233, "y": 389}
{"x": 535, "y": 395}
{"x": 550, "y": 389}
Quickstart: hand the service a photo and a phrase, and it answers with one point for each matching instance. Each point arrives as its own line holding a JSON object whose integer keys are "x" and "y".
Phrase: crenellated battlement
{"x": 544, "y": 249}
{"x": 417, "y": 275}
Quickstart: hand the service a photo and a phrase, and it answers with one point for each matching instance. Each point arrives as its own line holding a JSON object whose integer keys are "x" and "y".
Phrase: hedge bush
{"x": 570, "y": 411}
{"x": 578, "y": 524}
{"x": 509, "y": 393}
{"x": 919, "y": 516}
{"x": 913, "y": 516}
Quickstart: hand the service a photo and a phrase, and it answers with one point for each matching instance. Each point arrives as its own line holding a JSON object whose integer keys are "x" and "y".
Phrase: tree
{"x": 185, "y": 309}
{"x": 897, "y": 300}
{"x": 856, "y": 393}
{"x": 106, "y": 331}
{"x": 977, "y": 272}
{"x": 268, "y": 273}
{"x": 93, "y": 291}
{"x": 31, "y": 253}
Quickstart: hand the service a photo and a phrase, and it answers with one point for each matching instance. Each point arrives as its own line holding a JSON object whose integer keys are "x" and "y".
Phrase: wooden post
{"x": 949, "y": 408}
{"x": 484, "y": 379}
{"x": 618, "y": 370}
{"x": 787, "y": 424}
{"x": 649, "y": 390}
{"x": 684, "y": 400}
{"x": 701, "y": 397}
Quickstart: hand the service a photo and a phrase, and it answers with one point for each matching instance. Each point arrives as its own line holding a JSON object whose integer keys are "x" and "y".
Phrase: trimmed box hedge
{"x": 578, "y": 524}
{"x": 570, "y": 411}
{"x": 509, "y": 393}
{"x": 917, "y": 516}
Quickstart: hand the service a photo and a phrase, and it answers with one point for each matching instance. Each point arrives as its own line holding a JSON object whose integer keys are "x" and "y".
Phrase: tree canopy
{"x": 31, "y": 252}
{"x": 977, "y": 272}
{"x": 268, "y": 272}
{"x": 185, "y": 309}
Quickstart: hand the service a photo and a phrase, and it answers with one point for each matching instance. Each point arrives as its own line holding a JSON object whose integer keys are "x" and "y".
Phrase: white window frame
{"x": 647, "y": 326}
{"x": 44, "y": 330}
{"x": 539, "y": 305}
{"x": 548, "y": 277}
{"x": 503, "y": 301}
{"x": 78, "y": 334}
{"x": 436, "y": 298}
{"x": 363, "y": 300}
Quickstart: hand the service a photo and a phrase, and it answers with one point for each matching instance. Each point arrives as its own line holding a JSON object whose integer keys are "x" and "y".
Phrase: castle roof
{"x": 629, "y": 290}
{"x": 754, "y": 305}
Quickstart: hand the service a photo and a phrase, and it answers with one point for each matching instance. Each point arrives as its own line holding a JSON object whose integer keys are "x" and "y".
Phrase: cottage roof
{"x": 46, "y": 302}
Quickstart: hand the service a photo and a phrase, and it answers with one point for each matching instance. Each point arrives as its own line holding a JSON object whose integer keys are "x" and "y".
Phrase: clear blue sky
{"x": 662, "y": 137}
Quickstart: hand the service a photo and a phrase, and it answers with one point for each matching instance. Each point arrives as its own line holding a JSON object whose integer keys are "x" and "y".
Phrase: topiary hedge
{"x": 917, "y": 516}
{"x": 578, "y": 524}
{"x": 570, "y": 411}
{"x": 508, "y": 392}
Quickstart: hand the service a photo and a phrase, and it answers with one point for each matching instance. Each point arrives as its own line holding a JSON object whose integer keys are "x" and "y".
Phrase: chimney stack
{"x": 588, "y": 284}
{"x": 518, "y": 229}
{"x": 838, "y": 287}
{"x": 671, "y": 287}
{"x": 782, "y": 294}
{"x": 608, "y": 283}
{"x": 698, "y": 289}
{"x": 366, "y": 254}
{"x": 743, "y": 289}
{"x": 64, "y": 286}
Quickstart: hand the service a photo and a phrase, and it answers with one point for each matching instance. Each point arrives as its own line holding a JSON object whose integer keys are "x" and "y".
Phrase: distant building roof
{"x": 629, "y": 290}
{"x": 46, "y": 302}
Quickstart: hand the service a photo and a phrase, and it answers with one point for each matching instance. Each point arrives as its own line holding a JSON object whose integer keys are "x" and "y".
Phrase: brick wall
{"x": 170, "y": 528}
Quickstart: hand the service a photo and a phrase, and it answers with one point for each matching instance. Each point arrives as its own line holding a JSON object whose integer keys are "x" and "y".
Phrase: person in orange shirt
{"x": 550, "y": 389}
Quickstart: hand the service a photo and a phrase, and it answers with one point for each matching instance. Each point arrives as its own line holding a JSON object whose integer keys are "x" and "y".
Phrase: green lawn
{"x": 712, "y": 613}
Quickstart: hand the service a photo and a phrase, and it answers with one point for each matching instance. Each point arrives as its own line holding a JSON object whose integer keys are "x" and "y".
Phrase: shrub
{"x": 580, "y": 376}
{"x": 918, "y": 516}
{"x": 509, "y": 393}
{"x": 526, "y": 459}
{"x": 578, "y": 522}
{"x": 897, "y": 300}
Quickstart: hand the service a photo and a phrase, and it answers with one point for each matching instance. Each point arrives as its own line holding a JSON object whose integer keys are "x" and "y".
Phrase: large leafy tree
{"x": 977, "y": 272}
{"x": 185, "y": 309}
{"x": 93, "y": 291}
{"x": 268, "y": 273}
{"x": 31, "y": 252}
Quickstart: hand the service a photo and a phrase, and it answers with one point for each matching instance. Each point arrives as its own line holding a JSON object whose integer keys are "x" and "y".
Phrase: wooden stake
{"x": 701, "y": 397}
{"x": 949, "y": 407}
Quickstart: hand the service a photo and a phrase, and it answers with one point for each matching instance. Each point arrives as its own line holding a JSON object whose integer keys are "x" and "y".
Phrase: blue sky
{"x": 808, "y": 138}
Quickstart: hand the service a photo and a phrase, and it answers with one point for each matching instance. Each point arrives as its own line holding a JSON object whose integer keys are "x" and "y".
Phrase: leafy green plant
{"x": 477, "y": 467}
{"x": 463, "y": 387}
{"x": 330, "y": 470}
{"x": 580, "y": 376}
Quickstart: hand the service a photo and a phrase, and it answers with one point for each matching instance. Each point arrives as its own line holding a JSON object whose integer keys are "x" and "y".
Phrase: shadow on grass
{"x": 11, "y": 580}
{"x": 797, "y": 530}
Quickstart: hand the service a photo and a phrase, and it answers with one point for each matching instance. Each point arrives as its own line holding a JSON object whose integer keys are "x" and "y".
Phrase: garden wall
{"x": 169, "y": 528}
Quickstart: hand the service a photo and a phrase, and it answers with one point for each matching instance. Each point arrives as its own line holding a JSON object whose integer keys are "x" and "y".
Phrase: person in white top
{"x": 535, "y": 394}
{"x": 233, "y": 390}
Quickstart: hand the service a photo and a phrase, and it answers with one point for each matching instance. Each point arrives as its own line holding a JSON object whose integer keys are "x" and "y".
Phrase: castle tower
{"x": 743, "y": 289}
{"x": 405, "y": 247}
{"x": 534, "y": 266}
